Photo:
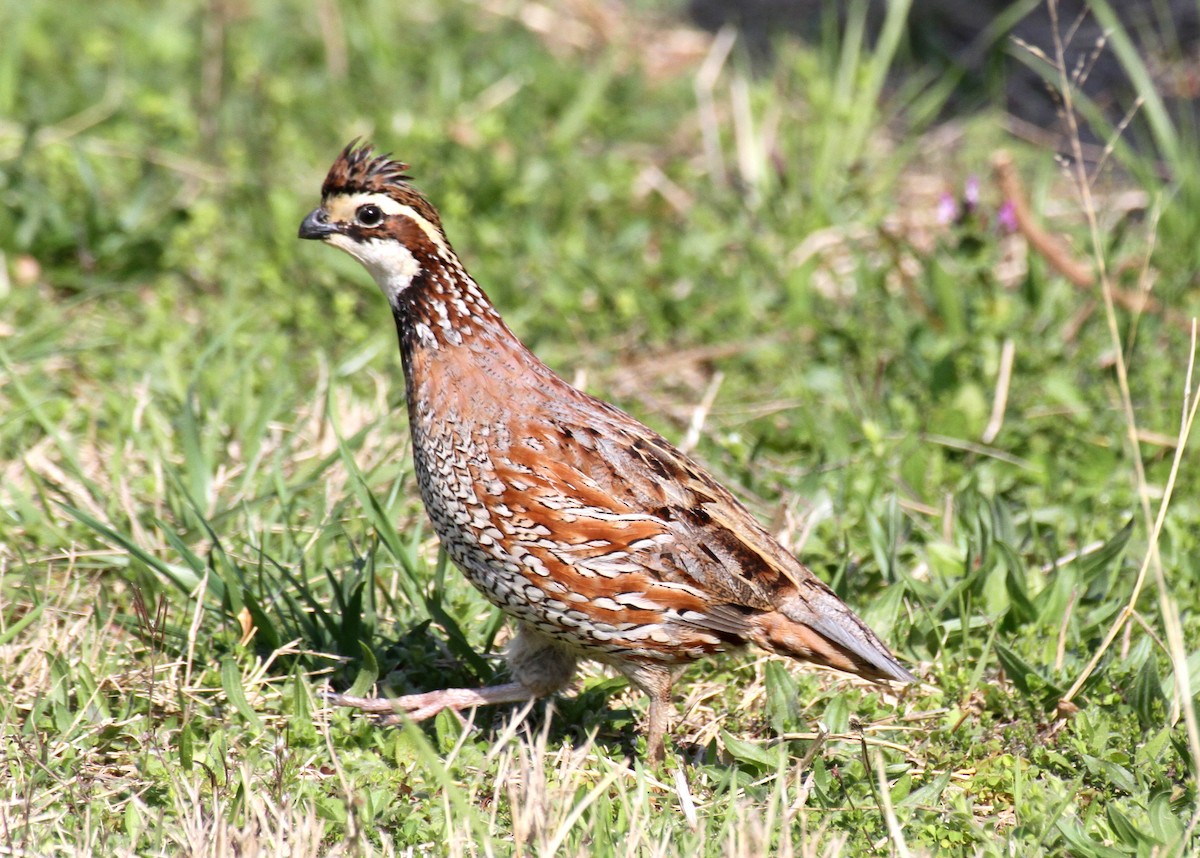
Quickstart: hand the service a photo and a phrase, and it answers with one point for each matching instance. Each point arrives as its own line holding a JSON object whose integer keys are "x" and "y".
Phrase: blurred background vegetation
{"x": 802, "y": 252}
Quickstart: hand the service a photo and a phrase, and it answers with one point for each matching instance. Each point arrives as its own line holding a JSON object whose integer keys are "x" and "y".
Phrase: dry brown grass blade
{"x": 1191, "y": 397}
{"x": 1058, "y": 254}
{"x": 1000, "y": 400}
{"x": 1052, "y": 248}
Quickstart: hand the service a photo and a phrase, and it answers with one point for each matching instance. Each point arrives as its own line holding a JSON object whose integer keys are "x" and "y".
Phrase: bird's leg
{"x": 540, "y": 666}
{"x": 656, "y": 727}
{"x": 418, "y": 707}
{"x": 656, "y": 681}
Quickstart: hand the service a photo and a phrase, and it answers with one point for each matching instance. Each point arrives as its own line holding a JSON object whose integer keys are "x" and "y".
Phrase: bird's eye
{"x": 369, "y": 215}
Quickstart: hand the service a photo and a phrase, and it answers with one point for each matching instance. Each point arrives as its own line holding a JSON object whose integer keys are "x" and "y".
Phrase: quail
{"x": 595, "y": 535}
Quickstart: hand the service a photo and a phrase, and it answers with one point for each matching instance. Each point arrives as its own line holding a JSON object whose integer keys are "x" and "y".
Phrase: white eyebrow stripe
{"x": 342, "y": 207}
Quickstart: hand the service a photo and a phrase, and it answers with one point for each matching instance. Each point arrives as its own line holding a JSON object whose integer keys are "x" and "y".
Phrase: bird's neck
{"x": 442, "y": 308}
{"x": 453, "y": 340}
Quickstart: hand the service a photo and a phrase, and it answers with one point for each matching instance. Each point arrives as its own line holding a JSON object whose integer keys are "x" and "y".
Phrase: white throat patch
{"x": 391, "y": 263}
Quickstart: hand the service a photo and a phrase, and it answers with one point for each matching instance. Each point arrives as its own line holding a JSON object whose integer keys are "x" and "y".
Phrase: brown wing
{"x": 803, "y": 618}
{"x": 636, "y": 527}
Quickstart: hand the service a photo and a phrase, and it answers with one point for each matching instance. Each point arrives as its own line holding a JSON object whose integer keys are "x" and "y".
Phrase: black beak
{"x": 316, "y": 225}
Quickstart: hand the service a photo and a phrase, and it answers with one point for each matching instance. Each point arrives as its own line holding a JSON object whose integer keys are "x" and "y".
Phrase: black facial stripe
{"x": 358, "y": 232}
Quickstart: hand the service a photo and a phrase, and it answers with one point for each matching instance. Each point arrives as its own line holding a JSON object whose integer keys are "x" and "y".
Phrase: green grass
{"x": 207, "y": 510}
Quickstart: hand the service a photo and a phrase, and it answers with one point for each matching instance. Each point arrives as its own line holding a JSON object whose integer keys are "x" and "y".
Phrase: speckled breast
{"x": 481, "y": 535}
{"x": 496, "y": 545}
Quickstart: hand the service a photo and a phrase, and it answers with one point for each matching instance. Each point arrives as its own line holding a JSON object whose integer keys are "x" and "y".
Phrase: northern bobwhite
{"x": 590, "y": 530}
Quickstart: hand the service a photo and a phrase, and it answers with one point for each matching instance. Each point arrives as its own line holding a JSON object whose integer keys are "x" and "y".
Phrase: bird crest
{"x": 358, "y": 170}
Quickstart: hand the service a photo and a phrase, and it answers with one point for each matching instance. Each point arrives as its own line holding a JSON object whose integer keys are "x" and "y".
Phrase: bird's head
{"x": 370, "y": 210}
